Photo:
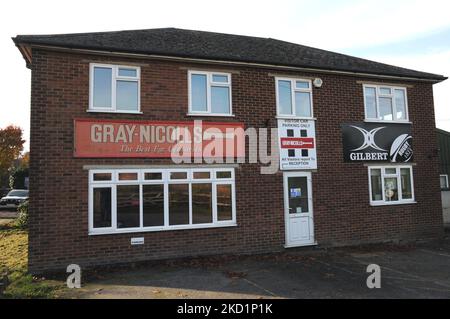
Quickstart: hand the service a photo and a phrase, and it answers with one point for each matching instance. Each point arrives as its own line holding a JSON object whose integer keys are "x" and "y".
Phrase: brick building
{"x": 357, "y": 161}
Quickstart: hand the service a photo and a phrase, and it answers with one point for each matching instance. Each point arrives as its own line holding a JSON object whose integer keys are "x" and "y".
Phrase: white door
{"x": 298, "y": 209}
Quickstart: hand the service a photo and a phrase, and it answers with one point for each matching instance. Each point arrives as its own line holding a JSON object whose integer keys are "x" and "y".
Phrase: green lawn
{"x": 13, "y": 267}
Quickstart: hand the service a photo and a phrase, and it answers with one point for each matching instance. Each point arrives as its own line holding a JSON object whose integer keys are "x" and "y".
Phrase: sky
{"x": 409, "y": 33}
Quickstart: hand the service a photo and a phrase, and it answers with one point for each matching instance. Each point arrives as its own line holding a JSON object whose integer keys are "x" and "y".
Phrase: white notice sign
{"x": 297, "y": 142}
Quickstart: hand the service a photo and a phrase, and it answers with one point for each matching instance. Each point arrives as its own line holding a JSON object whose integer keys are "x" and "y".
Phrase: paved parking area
{"x": 7, "y": 215}
{"x": 406, "y": 272}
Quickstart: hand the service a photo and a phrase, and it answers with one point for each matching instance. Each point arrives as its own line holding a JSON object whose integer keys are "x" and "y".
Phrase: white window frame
{"x": 294, "y": 89}
{"x": 400, "y": 201}
{"x": 446, "y": 181}
{"x": 101, "y": 184}
{"x": 115, "y": 77}
{"x": 165, "y": 181}
{"x": 394, "y": 104}
{"x": 209, "y": 84}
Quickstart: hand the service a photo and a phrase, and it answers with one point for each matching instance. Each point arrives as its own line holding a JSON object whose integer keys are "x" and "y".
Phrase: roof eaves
{"x": 29, "y": 42}
{"x": 25, "y": 54}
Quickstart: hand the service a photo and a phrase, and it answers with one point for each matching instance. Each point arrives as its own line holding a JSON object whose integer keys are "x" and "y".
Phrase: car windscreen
{"x": 18, "y": 193}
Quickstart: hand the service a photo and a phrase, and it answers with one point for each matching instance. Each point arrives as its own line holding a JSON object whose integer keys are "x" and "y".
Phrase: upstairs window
{"x": 294, "y": 98}
{"x": 209, "y": 93}
{"x": 114, "y": 88}
{"x": 385, "y": 103}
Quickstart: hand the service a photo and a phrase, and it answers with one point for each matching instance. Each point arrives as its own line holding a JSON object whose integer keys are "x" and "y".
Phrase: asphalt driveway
{"x": 419, "y": 271}
{"x": 7, "y": 215}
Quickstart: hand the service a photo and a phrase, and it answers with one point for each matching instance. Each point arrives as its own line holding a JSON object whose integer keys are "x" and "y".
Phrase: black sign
{"x": 377, "y": 142}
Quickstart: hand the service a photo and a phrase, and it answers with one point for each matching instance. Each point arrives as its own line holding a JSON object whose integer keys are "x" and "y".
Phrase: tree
{"x": 17, "y": 177}
{"x": 19, "y": 171}
{"x": 11, "y": 145}
{"x": 25, "y": 160}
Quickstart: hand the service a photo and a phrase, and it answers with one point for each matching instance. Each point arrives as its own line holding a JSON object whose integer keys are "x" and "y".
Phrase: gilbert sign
{"x": 297, "y": 144}
{"x": 373, "y": 142}
{"x": 157, "y": 139}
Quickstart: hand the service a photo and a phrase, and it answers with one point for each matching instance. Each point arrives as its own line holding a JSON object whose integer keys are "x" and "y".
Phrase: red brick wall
{"x": 59, "y": 184}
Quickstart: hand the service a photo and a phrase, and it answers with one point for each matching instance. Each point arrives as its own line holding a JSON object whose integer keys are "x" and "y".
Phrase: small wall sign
{"x": 137, "y": 241}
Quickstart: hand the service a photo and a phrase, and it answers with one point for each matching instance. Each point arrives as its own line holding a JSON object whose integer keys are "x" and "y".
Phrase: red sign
{"x": 157, "y": 139}
{"x": 297, "y": 143}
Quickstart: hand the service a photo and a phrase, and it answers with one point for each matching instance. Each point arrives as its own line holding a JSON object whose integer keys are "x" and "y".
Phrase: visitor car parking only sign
{"x": 297, "y": 142}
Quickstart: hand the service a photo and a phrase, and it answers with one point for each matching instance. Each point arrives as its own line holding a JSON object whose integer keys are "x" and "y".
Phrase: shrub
{"x": 17, "y": 177}
{"x": 22, "y": 220}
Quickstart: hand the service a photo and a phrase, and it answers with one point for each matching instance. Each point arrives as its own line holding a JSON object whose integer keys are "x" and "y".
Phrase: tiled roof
{"x": 218, "y": 46}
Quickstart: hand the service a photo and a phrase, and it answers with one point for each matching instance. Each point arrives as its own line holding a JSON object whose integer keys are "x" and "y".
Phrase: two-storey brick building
{"x": 357, "y": 163}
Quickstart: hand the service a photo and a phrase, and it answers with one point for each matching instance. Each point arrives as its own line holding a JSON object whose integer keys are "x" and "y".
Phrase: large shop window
{"x": 294, "y": 98}
{"x": 210, "y": 93}
{"x": 114, "y": 88}
{"x": 391, "y": 185}
{"x": 385, "y": 103}
{"x": 160, "y": 199}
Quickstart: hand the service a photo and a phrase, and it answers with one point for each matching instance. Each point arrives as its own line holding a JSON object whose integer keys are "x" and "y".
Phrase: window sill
{"x": 281, "y": 117}
{"x": 159, "y": 229}
{"x": 112, "y": 111}
{"x": 392, "y": 204}
{"x": 210, "y": 115}
{"x": 387, "y": 122}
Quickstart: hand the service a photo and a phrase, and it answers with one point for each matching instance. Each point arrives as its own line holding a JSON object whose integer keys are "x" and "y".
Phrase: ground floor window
{"x": 134, "y": 200}
{"x": 390, "y": 185}
{"x": 444, "y": 182}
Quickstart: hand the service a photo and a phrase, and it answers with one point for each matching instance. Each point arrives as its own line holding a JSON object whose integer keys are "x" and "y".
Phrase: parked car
{"x": 14, "y": 198}
{"x": 4, "y": 191}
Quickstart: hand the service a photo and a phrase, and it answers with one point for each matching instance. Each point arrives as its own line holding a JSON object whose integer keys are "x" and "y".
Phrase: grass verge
{"x": 15, "y": 282}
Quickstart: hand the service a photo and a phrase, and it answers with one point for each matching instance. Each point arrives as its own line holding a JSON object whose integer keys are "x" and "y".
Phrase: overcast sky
{"x": 408, "y": 33}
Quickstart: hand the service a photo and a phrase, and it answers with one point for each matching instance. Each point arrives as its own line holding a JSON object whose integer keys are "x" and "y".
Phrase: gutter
{"x": 27, "y": 56}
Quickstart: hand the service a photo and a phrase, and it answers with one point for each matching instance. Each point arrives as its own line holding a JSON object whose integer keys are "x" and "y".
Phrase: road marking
{"x": 434, "y": 253}
{"x": 419, "y": 278}
{"x": 409, "y": 290}
{"x": 260, "y": 287}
